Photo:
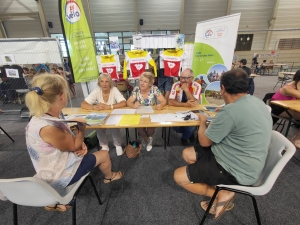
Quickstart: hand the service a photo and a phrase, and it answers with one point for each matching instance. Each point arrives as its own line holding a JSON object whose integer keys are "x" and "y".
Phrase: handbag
{"x": 133, "y": 149}
{"x": 91, "y": 140}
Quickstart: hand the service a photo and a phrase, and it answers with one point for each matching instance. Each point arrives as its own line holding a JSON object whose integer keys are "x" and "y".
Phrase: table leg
{"x": 289, "y": 124}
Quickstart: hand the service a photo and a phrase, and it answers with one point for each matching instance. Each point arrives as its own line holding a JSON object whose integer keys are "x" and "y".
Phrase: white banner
{"x": 215, "y": 41}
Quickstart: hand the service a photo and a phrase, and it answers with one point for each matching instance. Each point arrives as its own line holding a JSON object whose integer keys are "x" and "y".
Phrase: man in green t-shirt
{"x": 233, "y": 148}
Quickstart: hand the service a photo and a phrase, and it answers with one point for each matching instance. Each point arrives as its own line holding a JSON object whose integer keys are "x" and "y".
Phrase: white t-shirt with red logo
{"x": 109, "y": 64}
{"x": 172, "y": 62}
{"x": 176, "y": 91}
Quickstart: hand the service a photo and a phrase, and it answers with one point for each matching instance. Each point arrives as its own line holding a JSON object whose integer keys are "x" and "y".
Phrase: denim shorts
{"x": 87, "y": 164}
{"x": 165, "y": 83}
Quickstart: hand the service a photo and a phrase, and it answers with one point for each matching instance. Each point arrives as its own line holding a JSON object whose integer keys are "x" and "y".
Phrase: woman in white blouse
{"x": 106, "y": 96}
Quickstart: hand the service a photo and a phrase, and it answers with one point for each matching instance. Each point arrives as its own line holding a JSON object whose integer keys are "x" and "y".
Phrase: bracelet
{"x": 111, "y": 106}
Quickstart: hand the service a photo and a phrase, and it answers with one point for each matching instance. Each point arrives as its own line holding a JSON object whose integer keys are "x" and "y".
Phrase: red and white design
{"x": 172, "y": 68}
{"x": 111, "y": 70}
{"x": 176, "y": 91}
{"x": 137, "y": 68}
{"x": 172, "y": 62}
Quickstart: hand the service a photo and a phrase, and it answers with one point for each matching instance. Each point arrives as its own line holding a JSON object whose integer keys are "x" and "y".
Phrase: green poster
{"x": 79, "y": 41}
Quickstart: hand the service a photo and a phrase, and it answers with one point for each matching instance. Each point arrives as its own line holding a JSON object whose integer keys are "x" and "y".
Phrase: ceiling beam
{"x": 7, "y": 16}
{"x": 271, "y": 23}
{"x": 3, "y": 33}
{"x": 182, "y": 17}
{"x": 42, "y": 19}
{"x": 229, "y": 4}
{"x": 24, "y": 5}
{"x": 5, "y": 6}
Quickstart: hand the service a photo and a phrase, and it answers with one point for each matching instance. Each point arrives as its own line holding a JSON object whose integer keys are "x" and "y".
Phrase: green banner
{"x": 79, "y": 42}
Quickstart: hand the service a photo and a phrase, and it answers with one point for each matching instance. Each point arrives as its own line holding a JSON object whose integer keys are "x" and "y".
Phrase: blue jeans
{"x": 187, "y": 132}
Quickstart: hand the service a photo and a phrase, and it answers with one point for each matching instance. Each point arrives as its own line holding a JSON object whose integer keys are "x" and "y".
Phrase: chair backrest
{"x": 28, "y": 191}
{"x": 275, "y": 162}
{"x": 268, "y": 98}
{"x": 280, "y": 75}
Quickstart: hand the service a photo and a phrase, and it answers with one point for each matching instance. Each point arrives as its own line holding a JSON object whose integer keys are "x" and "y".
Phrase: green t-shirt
{"x": 241, "y": 133}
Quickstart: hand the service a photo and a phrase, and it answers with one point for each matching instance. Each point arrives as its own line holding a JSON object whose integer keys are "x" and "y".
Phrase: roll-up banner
{"x": 215, "y": 41}
{"x": 80, "y": 45}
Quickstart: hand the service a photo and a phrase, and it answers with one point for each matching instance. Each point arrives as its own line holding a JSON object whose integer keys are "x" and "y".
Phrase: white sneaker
{"x": 105, "y": 147}
{"x": 119, "y": 150}
{"x": 149, "y": 145}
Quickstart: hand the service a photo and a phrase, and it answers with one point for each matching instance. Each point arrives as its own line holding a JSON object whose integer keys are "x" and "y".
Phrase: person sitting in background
{"x": 270, "y": 67}
{"x": 106, "y": 97}
{"x": 42, "y": 71}
{"x": 38, "y": 67}
{"x": 146, "y": 95}
{"x": 59, "y": 157}
{"x": 54, "y": 71}
{"x": 185, "y": 93}
{"x": 33, "y": 71}
{"x": 232, "y": 150}
{"x": 70, "y": 81}
{"x": 290, "y": 91}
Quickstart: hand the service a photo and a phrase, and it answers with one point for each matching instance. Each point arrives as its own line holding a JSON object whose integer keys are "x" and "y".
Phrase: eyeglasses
{"x": 185, "y": 78}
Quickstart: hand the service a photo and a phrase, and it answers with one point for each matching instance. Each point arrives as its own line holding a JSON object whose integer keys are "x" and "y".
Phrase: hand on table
{"x": 101, "y": 106}
{"x": 159, "y": 107}
{"x": 136, "y": 104}
{"x": 191, "y": 103}
{"x": 81, "y": 124}
{"x": 202, "y": 117}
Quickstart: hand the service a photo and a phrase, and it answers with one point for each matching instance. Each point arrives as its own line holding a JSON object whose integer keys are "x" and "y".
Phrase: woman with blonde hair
{"x": 147, "y": 95}
{"x": 59, "y": 156}
{"x": 106, "y": 96}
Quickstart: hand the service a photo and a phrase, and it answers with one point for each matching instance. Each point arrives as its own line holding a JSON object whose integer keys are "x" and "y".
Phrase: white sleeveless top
{"x": 52, "y": 165}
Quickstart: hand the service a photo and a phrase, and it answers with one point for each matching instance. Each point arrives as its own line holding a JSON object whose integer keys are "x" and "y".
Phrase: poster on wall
{"x": 114, "y": 44}
{"x": 8, "y": 59}
{"x": 12, "y": 73}
{"x": 79, "y": 41}
{"x": 213, "y": 52}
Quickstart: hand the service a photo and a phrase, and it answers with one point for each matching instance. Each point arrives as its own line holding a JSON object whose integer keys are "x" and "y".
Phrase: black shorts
{"x": 87, "y": 164}
{"x": 206, "y": 169}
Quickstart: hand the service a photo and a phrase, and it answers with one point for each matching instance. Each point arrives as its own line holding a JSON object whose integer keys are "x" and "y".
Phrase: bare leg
{"x": 150, "y": 131}
{"x": 143, "y": 134}
{"x": 104, "y": 164}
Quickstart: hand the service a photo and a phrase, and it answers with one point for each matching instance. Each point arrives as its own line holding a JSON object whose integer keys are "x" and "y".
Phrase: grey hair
{"x": 106, "y": 75}
{"x": 190, "y": 70}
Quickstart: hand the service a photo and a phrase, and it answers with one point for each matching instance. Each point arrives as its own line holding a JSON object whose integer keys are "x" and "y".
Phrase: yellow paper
{"x": 133, "y": 119}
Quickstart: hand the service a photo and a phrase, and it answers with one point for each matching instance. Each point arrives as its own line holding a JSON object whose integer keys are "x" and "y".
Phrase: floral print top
{"x": 151, "y": 98}
{"x": 52, "y": 165}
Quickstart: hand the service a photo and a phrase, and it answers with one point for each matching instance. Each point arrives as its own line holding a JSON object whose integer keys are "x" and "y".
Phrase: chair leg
{"x": 74, "y": 211}
{"x": 256, "y": 210}
{"x": 169, "y": 135}
{"x": 210, "y": 205}
{"x": 15, "y": 213}
{"x": 7, "y": 134}
{"x": 95, "y": 189}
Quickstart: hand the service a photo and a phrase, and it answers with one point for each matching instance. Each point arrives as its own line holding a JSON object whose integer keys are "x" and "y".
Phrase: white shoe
{"x": 119, "y": 150}
{"x": 105, "y": 147}
{"x": 149, "y": 145}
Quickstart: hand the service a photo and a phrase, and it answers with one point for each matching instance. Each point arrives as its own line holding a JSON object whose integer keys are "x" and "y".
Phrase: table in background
{"x": 288, "y": 105}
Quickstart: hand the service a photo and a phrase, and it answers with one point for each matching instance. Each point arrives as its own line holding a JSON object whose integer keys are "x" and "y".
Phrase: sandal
{"x": 108, "y": 180}
{"x": 213, "y": 207}
{"x": 226, "y": 204}
{"x": 58, "y": 208}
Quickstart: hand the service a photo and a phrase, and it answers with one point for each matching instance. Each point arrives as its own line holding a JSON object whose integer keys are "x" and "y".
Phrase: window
{"x": 62, "y": 43}
{"x": 289, "y": 43}
{"x": 244, "y": 42}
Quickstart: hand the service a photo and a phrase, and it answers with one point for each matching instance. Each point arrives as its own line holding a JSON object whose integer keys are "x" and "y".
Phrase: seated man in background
{"x": 185, "y": 93}
{"x": 233, "y": 148}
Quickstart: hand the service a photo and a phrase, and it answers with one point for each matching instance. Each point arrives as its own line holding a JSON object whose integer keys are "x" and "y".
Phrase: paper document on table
{"x": 123, "y": 111}
{"x": 75, "y": 116}
{"x": 178, "y": 117}
{"x": 158, "y": 118}
{"x": 130, "y": 120}
{"x": 144, "y": 110}
{"x": 113, "y": 120}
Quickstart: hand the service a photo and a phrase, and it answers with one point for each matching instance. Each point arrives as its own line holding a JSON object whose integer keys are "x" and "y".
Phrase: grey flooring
{"x": 147, "y": 194}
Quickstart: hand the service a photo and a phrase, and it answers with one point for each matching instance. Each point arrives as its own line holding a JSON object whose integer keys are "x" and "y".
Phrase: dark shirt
{"x": 247, "y": 70}
{"x": 254, "y": 60}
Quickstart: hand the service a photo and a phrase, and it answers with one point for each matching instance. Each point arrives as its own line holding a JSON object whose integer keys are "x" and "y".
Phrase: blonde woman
{"x": 58, "y": 156}
{"x": 106, "y": 96}
{"x": 148, "y": 95}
